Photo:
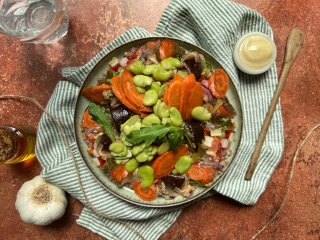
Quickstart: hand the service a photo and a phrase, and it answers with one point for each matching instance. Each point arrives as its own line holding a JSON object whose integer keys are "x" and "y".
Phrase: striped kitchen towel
{"x": 214, "y": 26}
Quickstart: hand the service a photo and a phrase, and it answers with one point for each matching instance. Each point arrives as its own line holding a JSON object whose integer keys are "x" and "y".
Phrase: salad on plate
{"x": 159, "y": 121}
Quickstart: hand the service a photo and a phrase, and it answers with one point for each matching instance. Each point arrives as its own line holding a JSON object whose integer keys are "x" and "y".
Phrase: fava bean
{"x": 141, "y": 89}
{"x": 131, "y": 165}
{"x": 142, "y": 81}
{"x": 129, "y": 128}
{"x": 162, "y": 90}
{"x": 123, "y": 139}
{"x": 154, "y": 150}
{"x": 150, "y": 158}
{"x": 183, "y": 164}
{"x": 142, "y": 157}
{"x": 119, "y": 161}
{"x": 131, "y": 121}
{"x": 149, "y": 69}
{"x": 200, "y": 113}
{"x": 138, "y": 149}
{"x": 161, "y": 74}
{"x": 155, "y": 107}
{"x": 175, "y": 117}
{"x": 122, "y": 156}
{"x": 151, "y": 119}
{"x": 156, "y": 86}
{"x": 146, "y": 174}
{"x": 117, "y": 147}
{"x": 164, "y": 147}
{"x": 165, "y": 121}
{"x": 163, "y": 110}
{"x": 182, "y": 73}
{"x": 170, "y": 63}
{"x": 150, "y": 98}
{"x": 137, "y": 67}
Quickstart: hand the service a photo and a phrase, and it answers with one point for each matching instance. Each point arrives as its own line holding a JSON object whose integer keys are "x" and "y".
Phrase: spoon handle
{"x": 293, "y": 46}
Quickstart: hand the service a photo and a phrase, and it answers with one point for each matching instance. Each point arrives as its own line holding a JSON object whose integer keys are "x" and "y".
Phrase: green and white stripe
{"x": 215, "y": 26}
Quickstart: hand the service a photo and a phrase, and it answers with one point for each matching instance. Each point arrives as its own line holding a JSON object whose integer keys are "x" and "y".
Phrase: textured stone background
{"x": 34, "y": 70}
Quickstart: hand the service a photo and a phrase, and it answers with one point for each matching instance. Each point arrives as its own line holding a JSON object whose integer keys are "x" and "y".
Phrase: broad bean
{"x": 117, "y": 147}
{"x": 183, "y": 164}
{"x": 140, "y": 90}
{"x": 200, "y": 113}
{"x": 142, "y": 157}
{"x": 182, "y": 73}
{"x": 131, "y": 121}
{"x": 154, "y": 150}
{"x": 161, "y": 74}
{"x": 155, "y": 107}
{"x": 131, "y": 165}
{"x": 170, "y": 63}
{"x": 123, "y": 139}
{"x": 175, "y": 117}
{"x": 162, "y": 90}
{"x": 138, "y": 149}
{"x": 165, "y": 121}
{"x": 150, "y": 98}
{"x": 142, "y": 81}
{"x": 122, "y": 156}
{"x": 129, "y": 128}
{"x": 149, "y": 69}
{"x": 163, "y": 110}
{"x": 164, "y": 147}
{"x": 151, "y": 119}
{"x": 137, "y": 67}
{"x": 146, "y": 174}
{"x": 156, "y": 86}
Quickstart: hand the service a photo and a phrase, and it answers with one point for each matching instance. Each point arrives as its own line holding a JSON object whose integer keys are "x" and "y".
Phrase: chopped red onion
{"x": 224, "y": 143}
{"x": 208, "y": 96}
{"x": 123, "y": 62}
{"x": 205, "y": 83}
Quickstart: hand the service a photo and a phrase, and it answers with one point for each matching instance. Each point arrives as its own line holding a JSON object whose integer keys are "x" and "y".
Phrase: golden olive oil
{"x": 16, "y": 145}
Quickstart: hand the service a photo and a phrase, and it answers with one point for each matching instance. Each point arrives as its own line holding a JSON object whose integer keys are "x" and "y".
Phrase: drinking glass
{"x": 37, "y": 21}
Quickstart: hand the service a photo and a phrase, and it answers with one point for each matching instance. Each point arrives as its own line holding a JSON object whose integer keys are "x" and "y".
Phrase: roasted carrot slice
{"x": 173, "y": 94}
{"x": 146, "y": 194}
{"x": 152, "y": 44}
{"x": 129, "y": 89}
{"x": 117, "y": 90}
{"x": 201, "y": 173}
{"x": 195, "y": 99}
{"x": 219, "y": 83}
{"x": 168, "y": 48}
{"x": 87, "y": 121}
{"x": 165, "y": 163}
{"x": 95, "y": 93}
{"x": 178, "y": 77}
{"x": 188, "y": 83}
{"x": 118, "y": 172}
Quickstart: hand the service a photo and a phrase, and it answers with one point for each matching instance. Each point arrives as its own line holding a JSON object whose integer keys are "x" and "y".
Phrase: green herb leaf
{"x": 225, "y": 119}
{"x": 100, "y": 115}
{"x": 150, "y": 134}
{"x": 175, "y": 139}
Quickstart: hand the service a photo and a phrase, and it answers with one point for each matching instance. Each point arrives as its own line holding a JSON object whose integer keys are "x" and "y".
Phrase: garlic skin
{"x": 40, "y": 202}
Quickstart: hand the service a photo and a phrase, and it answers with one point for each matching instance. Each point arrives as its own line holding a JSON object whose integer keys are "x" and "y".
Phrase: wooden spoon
{"x": 293, "y": 46}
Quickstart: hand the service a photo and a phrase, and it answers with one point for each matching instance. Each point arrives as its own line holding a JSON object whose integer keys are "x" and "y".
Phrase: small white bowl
{"x": 245, "y": 68}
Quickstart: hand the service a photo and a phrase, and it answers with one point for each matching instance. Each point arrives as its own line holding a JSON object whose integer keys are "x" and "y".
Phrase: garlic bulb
{"x": 40, "y": 202}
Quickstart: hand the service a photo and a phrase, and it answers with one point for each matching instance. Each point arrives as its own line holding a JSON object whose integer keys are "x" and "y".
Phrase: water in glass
{"x": 38, "y": 21}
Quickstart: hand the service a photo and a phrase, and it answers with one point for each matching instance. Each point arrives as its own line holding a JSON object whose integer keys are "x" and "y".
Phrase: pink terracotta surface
{"x": 34, "y": 70}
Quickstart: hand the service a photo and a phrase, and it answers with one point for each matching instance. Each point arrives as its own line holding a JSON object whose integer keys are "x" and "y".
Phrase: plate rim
{"x": 145, "y": 203}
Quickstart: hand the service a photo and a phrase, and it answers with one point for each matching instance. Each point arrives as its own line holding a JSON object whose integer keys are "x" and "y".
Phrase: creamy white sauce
{"x": 256, "y": 52}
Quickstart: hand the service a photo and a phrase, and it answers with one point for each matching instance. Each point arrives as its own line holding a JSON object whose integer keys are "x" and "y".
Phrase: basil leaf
{"x": 100, "y": 115}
